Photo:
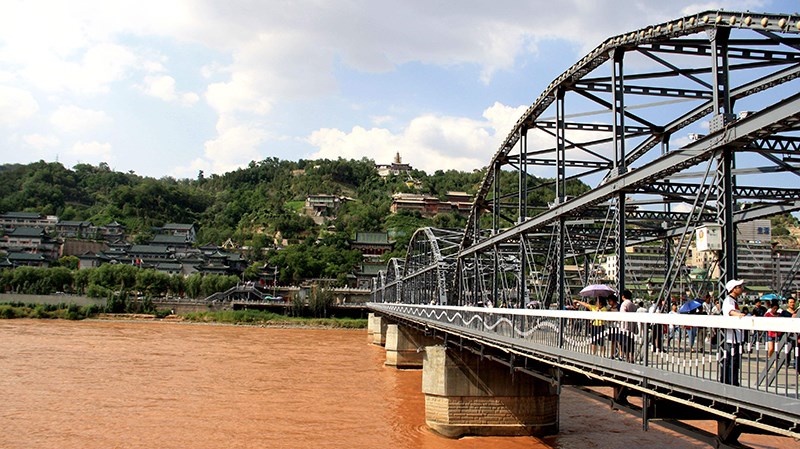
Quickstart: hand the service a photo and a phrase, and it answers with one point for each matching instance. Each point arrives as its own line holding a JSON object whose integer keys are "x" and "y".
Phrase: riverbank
{"x": 233, "y": 317}
{"x": 245, "y": 318}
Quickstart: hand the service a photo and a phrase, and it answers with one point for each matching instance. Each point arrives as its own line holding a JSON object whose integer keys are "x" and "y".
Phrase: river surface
{"x": 110, "y": 384}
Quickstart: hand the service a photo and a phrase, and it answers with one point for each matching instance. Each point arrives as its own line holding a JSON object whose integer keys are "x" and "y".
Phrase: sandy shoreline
{"x": 177, "y": 319}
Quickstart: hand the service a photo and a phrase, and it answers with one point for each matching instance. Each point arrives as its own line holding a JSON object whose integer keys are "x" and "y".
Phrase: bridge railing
{"x": 687, "y": 349}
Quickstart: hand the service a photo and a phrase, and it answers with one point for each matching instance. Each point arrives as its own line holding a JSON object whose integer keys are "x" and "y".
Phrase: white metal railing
{"x": 693, "y": 346}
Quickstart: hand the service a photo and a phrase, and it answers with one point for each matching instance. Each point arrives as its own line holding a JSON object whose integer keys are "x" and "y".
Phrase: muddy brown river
{"x": 110, "y": 384}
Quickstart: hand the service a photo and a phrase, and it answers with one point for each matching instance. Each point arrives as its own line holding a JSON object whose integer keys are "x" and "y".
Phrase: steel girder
{"x": 625, "y": 152}
{"x": 635, "y": 156}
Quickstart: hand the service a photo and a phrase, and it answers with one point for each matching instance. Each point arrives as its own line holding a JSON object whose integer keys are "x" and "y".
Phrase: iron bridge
{"x": 656, "y": 137}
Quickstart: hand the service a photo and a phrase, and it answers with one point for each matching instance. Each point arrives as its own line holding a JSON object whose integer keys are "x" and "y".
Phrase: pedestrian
{"x": 772, "y": 336}
{"x": 758, "y": 308}
{"x": 627, "y": 335}
{"x": 657, "y": 330}
{"x": 597, "y": 328}
{"x": 732, "y": 348}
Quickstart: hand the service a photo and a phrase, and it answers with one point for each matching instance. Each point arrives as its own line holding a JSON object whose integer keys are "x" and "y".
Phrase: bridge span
{"x": 651, "y": 356}
{"x": 651, "y": 143}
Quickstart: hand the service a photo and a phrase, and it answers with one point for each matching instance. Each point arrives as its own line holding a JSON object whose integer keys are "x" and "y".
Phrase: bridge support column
{"x": 467, "y": 395}
{"x": 378, "y": 325}
{"x": 405, "y": 346}
{"x": 370, "y": 327}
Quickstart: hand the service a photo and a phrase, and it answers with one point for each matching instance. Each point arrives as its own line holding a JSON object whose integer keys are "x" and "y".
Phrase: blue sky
{"x": 169, "y": 88}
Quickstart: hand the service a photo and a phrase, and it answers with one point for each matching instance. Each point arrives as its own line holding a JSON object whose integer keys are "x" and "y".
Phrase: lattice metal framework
{"x": 427, "y": 272}
{"x": 672, "y": 126}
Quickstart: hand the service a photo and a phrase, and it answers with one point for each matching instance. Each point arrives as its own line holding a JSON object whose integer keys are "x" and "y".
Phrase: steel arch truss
{"x": 671, "y": 127}
{"x": 650, "y": 136}
{"x": 390, "y": 286}
{"x": 426, "y": 274}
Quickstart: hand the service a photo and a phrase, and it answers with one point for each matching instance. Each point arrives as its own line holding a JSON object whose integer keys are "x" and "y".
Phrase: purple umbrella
{"x": 596, "y": 290}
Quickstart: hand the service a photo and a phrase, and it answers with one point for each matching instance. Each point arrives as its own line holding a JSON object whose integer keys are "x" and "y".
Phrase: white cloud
{"x": 93, "y": 73}
{"x": 75, "y": 119}
{"x": 16, "y": 105}
{"x": 428, "y": 142}
{"x": 163, "y": 87}
{"x": 235, "y": 146}
{"x": 258, "y": 56}
{"x": 40, "y": 142}
{"x": 91, "y": 152}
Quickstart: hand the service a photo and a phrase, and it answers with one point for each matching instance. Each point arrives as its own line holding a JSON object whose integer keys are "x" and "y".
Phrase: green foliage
{"x": 70, "y": 262}
{"x": 320, "y": 301}
{"x": 782, "y": 223}
{"x": 69, "y": 311}
{"x": 248, "y": 205}
{"x": 297, "y": 305}
{"x": 258, "y": 317}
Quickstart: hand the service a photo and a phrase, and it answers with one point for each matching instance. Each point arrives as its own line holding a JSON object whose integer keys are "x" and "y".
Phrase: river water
{"x": 110, "y": 384}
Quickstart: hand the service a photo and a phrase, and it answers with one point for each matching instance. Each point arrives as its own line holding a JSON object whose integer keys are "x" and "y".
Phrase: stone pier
{"x": 370, "y": 328}
{"x": 376, "y": 329}
{"x": 467, "y": 395}
{"x": 405, "y": 347}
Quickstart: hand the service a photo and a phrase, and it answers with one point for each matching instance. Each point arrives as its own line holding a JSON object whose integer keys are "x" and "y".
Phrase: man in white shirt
{"x": 732, "y": 356}
{"x": 626, "y": 336}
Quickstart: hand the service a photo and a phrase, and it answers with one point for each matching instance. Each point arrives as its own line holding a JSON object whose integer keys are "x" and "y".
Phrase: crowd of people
{"x": 731, "y": 344}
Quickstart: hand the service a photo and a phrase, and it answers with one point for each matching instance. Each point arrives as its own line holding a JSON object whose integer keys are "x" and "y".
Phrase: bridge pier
{"x": 370, "y": 327}
{"x": 468, "y": 395}
{"x": 405, "y": 346}
{"x": 376, "y": 329}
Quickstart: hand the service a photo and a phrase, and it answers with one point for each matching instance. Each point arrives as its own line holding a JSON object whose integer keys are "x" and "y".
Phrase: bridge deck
{"x": 767, "y": 397}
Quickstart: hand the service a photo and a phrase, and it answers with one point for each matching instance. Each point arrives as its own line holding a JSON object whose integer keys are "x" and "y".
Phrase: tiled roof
{"x": 24, "y": 231}
{"x": 147, "y": 249}
{"x": 380, "y": 238}
{"x": 169, "y": 239}
{"x": 178, "y": 226}
{"x": 21, "y": 215}
{"x": 74, "y": 223}
{"x": 25, "y": 256}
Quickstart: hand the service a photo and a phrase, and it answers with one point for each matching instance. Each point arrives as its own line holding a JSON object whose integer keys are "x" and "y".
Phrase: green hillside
{"x": 250, "y": 206}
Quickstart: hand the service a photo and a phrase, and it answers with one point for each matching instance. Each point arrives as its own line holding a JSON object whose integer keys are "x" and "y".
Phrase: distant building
{"x": 396, "y": 168}
{"x": 76, "y": 229}
{"x": 186, "y": 230}
{"x": 112, "y": 232}
{"x": 323, "y": 207}
{"x": 428, "y": 205}
{"x": 372, "y": 244}
{"x": 175, "y": 243}
{"x": 367, "y": 273}
{"x": 30, "y": 240}
{"x": 460, "y": 202}
{"x": 11, "y": 220}
{"x": 20, "y": 259}
{"x": 78, "y": 247}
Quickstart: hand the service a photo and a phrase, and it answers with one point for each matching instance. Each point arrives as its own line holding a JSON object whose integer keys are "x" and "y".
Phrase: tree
{"x": 58, "y": 279}
{"x": 70, "y": 262}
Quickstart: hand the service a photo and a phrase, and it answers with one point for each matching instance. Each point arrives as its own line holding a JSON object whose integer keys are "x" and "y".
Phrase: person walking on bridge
{"x": 732, "y": 352}
{"x": 597, "y": 333}
{"x": 627, "y": 335}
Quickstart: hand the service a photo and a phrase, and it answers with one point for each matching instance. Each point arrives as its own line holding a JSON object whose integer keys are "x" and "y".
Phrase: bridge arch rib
{"x": 428, "y": 266}
{"x": 594, "y": 165}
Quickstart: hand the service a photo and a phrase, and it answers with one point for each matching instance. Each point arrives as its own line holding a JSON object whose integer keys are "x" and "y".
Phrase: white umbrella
{"x": 595, "y": 290}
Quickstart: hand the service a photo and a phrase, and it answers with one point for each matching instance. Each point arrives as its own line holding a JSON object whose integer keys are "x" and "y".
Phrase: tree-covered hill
{"x": 249, "y": 205}
{"x": 252, "y": 205}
